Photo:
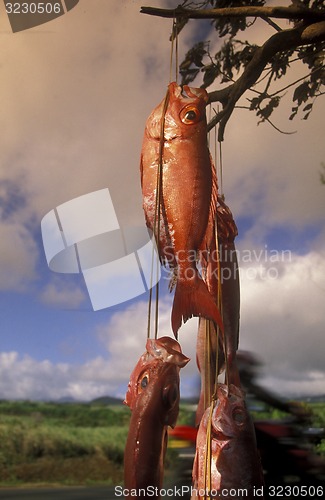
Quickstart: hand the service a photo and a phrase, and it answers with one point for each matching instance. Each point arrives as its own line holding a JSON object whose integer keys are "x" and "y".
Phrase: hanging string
{"x": 220, "y": 162}
{"x": 156, "y": 224}
{"x": 176, "y": 56}
{"x": 174, "y": 40}
{"x": 150, "y": 293}
{"x": 208, "y": 456}
{"x": 207, "y": 361}
{"x": 221, "y": 170}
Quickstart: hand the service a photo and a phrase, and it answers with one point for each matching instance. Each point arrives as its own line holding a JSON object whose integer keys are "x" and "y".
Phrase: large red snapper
{"x": 227, "y": 462}
{"x": 153, "y": 396}
{"x": 187, "y": 196}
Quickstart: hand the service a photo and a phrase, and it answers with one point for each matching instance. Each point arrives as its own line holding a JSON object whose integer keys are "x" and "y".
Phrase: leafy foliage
{"x": 311, "y": 87}
{"x": 234, "y": 57}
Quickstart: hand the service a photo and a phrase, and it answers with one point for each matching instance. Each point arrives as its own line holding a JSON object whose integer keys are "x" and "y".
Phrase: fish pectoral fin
{"x": 192, "y": 298}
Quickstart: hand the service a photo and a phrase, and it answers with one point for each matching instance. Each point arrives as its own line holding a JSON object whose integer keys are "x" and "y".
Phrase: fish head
{"x": 184, "y": 114}
{"x": 230, "y": 417}
{"x": 154, "y": 382}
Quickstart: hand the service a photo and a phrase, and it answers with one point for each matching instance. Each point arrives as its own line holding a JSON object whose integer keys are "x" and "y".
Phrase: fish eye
{"x": 144, "y": 381}
{"x": 190, "y": 115}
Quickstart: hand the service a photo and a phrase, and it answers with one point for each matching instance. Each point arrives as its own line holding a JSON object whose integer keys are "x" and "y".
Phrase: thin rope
{"x": 221, "y": 169}
{"x": 219, "y": 300}
{"x": 174, "y": 40}
{"x": 171, "y": 54}
{"x": 156, "y": 224}
{"x": 207, "y": 364}
{"x": 176, "y": 58}
{"x": 207, "y": 462}
{"x": 150, "y": 293}
{"x": 220, "y": 162}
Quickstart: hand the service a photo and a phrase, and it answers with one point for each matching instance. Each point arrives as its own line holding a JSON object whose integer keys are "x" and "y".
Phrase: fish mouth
{"x": 191, "y": 92}
{"x": 188, "y": 92}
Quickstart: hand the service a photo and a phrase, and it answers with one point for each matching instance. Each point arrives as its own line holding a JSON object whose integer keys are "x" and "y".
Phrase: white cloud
{"x": 123, "y": 339}
{"x": 282, "y": 318}
{"x": 23, "y": 377}
{"x": 62, "y": 294}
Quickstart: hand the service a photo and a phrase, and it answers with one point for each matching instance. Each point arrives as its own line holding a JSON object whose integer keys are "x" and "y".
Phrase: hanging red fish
{"x": 188, "y": 195}
{"x": 230, "y": 287}
{"x": 153, "y": 396}
{"x": 214, "y": 352}
{"x": 227, "y": 462}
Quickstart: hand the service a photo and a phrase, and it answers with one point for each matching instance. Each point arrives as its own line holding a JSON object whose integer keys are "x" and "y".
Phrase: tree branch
{"x": 292, "y": 12}
{"x": 281, "y": 41}
{"x": 309, "y": 30}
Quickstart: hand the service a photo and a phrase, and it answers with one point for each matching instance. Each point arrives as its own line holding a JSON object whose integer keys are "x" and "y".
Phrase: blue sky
{"x": 77, "y": 92}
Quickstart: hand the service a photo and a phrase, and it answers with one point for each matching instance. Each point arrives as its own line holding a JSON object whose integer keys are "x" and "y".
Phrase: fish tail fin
{"x": 192, "y": 298}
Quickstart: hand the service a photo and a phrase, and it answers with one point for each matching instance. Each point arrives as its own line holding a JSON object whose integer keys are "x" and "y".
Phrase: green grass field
{"x": 74, "y": 443}
{"x": 65, "y": 443}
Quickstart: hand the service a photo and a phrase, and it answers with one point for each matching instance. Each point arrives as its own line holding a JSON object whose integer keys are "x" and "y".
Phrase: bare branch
{"x": 271, "y": 23}
{"x": 280, "y": 12}
{"x": 279, "y": 130}
{"x": 293, "y": 83}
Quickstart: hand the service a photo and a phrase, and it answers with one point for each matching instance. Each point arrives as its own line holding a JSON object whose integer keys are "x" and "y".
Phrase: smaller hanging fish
{"x": 153, "y": 397}
{"x": 210, "y": 362}
{"x": 227, "y": 462}
{"x": 214, "y": 352}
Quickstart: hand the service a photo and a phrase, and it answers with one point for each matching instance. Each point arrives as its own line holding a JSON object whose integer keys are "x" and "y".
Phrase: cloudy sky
{"x": 75, "y": 96}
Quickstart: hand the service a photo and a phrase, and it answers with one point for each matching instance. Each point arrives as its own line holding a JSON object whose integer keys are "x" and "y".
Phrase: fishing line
{"x": 150, "y": 293}
{"x": 207, "y": 363}
{"x": 218, "y": 160}
{"x": 209, "y": 132}
{"x": 176, "y": 58}
{"x": 220, "y": 306}
{"x": 174, "y": 42}
{"x": 156, "y": 224}
{"x": 208, "y": 460}
{"x": 221, "y": 169}
{"x": 219, "y": 163}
